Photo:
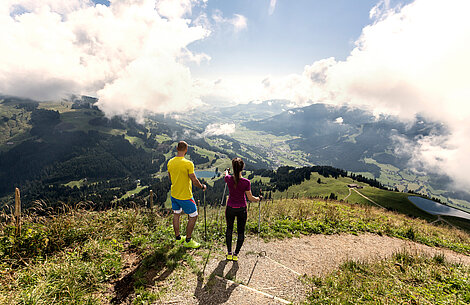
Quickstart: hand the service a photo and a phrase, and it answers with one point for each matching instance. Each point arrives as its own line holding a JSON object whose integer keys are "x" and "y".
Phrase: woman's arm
{"x": 250, "y": 196}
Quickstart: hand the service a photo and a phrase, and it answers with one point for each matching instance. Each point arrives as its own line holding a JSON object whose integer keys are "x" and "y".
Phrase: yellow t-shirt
{"x": 181, "y": 185}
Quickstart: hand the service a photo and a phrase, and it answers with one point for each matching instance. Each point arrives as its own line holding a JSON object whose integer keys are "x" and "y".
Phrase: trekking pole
{"x": 205, "y": 221}
{"x": 259, "y": 228}
{"x": 221, "y": 203}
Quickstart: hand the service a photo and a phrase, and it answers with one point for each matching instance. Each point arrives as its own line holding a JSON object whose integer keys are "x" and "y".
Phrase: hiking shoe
{"x": 235, "y": 258}
{"x": 229, "y": 257}
{"x": 191, "y": 244}
{"x": 181, "y": 241}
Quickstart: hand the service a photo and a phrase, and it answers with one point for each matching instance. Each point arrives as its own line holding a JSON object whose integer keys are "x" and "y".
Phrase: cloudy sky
{"x": 141, "y": 56}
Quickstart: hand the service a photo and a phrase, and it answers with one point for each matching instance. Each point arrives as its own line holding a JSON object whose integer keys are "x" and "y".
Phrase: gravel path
{"x": 277, "y": 274}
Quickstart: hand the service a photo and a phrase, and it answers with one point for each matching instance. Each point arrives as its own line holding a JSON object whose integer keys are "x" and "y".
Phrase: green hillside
{"x": 390, "y": 200}
{"x": 79, "y": 256}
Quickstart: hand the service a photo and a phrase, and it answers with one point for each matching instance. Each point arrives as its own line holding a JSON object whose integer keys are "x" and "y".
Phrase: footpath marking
{"x": 369, "y": 199}
{"x": 254, "y": 290}
{"x": 283, "y": 266}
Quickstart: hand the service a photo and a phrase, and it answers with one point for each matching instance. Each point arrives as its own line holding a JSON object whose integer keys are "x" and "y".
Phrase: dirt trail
{"x": 277, "y": 274}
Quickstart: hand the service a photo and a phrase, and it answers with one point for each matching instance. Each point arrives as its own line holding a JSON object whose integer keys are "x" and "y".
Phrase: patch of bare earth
{"x": 278, "y": 271}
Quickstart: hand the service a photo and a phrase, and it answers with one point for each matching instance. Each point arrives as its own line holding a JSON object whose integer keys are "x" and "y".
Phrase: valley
{"x": 361, "y": 144}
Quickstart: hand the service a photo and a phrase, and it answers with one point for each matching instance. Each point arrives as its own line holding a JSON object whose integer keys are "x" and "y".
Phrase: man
{"x": 181, "y": 172}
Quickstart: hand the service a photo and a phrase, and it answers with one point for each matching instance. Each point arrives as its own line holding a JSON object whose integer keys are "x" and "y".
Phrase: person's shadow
{"x": 216, "y": 290}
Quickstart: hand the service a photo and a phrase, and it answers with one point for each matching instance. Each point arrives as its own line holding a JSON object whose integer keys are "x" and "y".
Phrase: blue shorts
{"x": 188, "y": 206}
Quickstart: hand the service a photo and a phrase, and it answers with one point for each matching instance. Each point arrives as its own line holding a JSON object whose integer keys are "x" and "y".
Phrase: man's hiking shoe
{"x": 191, "y": 244}
{"x": 229, "y": 257}
{"x": 235, "y": 258}
{"x": 181, "y": 241}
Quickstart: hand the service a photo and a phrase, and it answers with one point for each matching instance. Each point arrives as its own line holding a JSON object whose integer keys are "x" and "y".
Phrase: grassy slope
{"x": 16, "y": 130}
{"x": 396, "y": 201}
{"x": 86, "y": 251}
{"x": 403, "y": 279}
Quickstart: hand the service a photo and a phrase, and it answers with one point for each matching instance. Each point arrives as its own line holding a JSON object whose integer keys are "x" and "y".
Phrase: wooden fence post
{"x": 151, "y": 199}
{"x": 17, "y": 211}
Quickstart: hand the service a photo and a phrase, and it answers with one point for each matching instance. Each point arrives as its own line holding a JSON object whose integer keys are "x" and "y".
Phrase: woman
{"x": 238, "y": 187}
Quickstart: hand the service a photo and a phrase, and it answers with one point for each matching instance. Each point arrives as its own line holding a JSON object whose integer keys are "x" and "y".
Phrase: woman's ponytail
{"x": 238, "y": 166}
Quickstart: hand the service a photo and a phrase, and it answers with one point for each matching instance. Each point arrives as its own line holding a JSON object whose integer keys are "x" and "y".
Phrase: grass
{"x": 395, "y": 201}
{"x": 73, "y": 258}
{"x": 133, "y": 192}
{"x": 287, "y": 218}
{"x": 405, "y": 180}
{"x": 77, "y": 183}
{"x": 14, "y": 130}
{"x": 76, "y": 257}
{"x": 404, "y": 279}
{"x": 310, "y": 188}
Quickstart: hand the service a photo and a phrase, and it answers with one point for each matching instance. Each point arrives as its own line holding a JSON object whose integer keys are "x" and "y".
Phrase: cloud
{"x": 174, "y": 9}
{"x": 128, "y": 54}
{"x": 272, "y": 6}
{"x": 218, "y": 129}
{"x": 411, "y": 60}
{"x": 238, "y": 22}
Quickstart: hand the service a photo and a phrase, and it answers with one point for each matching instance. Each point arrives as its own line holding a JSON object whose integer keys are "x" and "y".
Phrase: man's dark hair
{"x": 182, "y": 145}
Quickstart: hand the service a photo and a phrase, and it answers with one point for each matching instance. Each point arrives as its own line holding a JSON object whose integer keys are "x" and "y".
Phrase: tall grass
{"x": 71, "y": 258}
{"x": 285, "y": 218}
{"x": 406, "y": 278}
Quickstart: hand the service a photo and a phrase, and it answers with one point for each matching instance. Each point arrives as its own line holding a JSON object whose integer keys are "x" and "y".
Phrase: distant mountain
{"x": 343, "y": 137}
{"x": 358, "y": 141}
{"x": 240, "y": 113}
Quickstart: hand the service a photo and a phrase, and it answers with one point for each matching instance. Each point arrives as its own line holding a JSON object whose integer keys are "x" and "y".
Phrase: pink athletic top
{"x": 237, "y": 198}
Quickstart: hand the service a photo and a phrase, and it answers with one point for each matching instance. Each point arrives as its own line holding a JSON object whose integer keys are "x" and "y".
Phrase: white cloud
{"x": 175, "y": 9}
{"x": 219, "y": 129}
{"x": 126, "y": 54}
{"x": 272, "y": 6}
{"x": 238, "y": 22}
{"x": 339, "y": 120}
{"x": 411, "y": 60}
{"x": 231, "y": 89}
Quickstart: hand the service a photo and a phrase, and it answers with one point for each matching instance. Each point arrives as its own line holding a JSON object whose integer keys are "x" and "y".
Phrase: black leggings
{"x": 230, "y": 214}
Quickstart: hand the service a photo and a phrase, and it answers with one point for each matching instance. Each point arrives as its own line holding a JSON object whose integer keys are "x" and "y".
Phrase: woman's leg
{"x": 230, "y": 218}
{"x": 241, "y": 222}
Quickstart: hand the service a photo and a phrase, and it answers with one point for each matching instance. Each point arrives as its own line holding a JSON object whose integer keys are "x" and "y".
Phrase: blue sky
{"x": 296, "y": 34}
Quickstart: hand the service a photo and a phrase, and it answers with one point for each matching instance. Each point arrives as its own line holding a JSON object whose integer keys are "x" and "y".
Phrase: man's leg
{"x": 176, "y": 207}
{"x": 190, "y": 227}
{"x": 176, "y": 224}
{"x": 190, "y": 208}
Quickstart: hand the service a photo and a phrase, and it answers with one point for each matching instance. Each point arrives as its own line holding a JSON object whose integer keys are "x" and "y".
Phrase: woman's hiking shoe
{"x": 191, "y": 244}
{"x": 235, "y": 258}
{"x": 229, "y": 257}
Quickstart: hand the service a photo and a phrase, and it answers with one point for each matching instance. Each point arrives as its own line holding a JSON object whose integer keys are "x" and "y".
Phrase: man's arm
{"x": 196, "y": 182}
{"x": 169, "y": 176}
